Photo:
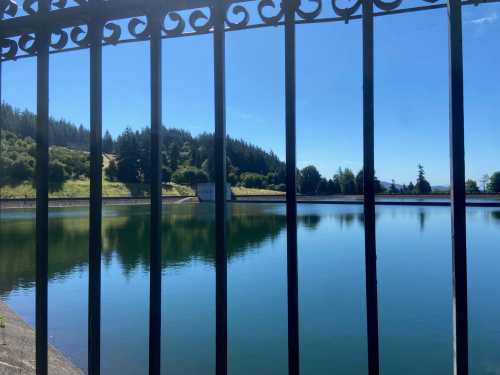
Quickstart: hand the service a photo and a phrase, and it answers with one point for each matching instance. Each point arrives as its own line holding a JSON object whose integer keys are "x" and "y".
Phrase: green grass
{"x": 81, "y": 188}
{"x": 238, "y": 190}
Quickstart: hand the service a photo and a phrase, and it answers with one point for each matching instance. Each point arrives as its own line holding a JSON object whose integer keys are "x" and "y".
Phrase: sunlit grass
{"x": 239, "y": 190}
{"x": 81, "y": 189}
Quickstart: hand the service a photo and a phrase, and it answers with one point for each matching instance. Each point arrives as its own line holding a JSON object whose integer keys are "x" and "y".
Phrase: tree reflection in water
{"x": 188, "y": 234}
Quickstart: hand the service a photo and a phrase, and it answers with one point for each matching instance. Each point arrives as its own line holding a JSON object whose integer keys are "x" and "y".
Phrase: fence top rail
{"x": 125, "y": 21}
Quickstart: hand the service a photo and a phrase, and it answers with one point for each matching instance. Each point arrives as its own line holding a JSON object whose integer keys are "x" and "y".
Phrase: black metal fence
{"x": 43, "y": 27}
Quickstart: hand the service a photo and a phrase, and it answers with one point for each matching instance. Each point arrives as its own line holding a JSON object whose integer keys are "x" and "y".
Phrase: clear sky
{"x": 411, "y": 91}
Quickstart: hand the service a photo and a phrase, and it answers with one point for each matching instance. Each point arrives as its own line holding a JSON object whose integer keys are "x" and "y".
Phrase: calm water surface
{"x": 414, "y": 271}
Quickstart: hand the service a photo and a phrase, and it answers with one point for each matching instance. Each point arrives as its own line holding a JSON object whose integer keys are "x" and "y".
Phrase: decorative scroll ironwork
{"x": 177, "y": 19}
{"x": 27, "y": 43}
{"x": 80, "y": 36}
{"x": 206, "y": 21}
{"x": 241, "y": 13}
{"x": 179, "y": 27}
{"x": 8, "y": 49}
{"x": 138, "y": 28}
{"x": 28, "y": 6}
{"x": 8, "y": 7}
{"x": 111, "y": 33}
{"x": 198, "y": 20}
{"x": 311, "y": 14}
{"x": 273, "y": 19}
{"x": 348, "y": 11}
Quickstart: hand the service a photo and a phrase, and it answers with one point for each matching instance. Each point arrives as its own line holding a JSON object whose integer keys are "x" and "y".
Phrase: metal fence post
{"x": 457, "y": 180}
{"x": 155, "y": 20}
{"x": 291, "y": 190}
{"x": 42, "y": 191}
{"x": 219, "y": 9}
{"x": 369, "y": 190}
{"x": 95, "y": 212}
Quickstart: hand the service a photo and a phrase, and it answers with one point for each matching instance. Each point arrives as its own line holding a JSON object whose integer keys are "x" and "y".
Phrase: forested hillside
{"x": 186, "y": 161}
{"x": 61, "y": 132}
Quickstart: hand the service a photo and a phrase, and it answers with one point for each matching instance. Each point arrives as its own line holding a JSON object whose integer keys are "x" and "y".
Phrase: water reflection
{"x": 347, "y": 219}
{"x": 495, "y": 215}
{"x": 188, "y": 234}
{"x": 413, "y": 243}
{"x": 421, "y": 219}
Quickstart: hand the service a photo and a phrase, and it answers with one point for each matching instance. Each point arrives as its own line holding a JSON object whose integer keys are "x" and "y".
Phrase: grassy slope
{"x": 80, "y": 188}
{"x": 237, "y": 190}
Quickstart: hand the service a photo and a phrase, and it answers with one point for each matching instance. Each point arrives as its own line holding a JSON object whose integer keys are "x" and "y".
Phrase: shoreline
{"x": 492, "y": 200}
{"x": 11, "y": 203}
{"x": 17, "y": 352}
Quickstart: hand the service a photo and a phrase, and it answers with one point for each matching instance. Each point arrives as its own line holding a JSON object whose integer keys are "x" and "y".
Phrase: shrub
{"x": 252, "y": 180}
{"x": 189, "y": 176}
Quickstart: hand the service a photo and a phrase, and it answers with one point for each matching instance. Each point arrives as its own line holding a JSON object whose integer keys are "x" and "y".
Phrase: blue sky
{"x": 411, "y": 91}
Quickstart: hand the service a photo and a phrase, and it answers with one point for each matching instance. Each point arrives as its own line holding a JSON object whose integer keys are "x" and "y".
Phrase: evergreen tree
{"x": 347, "y": 181}
{"x": 411, "y": 188}
{"x": 107, "y": 143}
{"x": 323, "y": 186}
{"x": 393, "y": 189}
{"x": 334, "y": 186}
{"x": 309, "y": 180}
{"x": 111, "y": 171}
{"x": 422, "y": 186}
{"x": 128, "y": 157}
{"x": 471, "y": 187}
{"x": 494, "y": 185}
{"x": 359, "y": 182}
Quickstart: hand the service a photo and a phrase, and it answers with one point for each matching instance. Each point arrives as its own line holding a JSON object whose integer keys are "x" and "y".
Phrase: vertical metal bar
{"x": 369, "y": 190}
{"x": 95, "y": 236}
{"x": 291, "y": 190}
{"x": 1, "y": 116}
{"x": 457, "y": 179}
{"x": 42, "y": 191}
{"x": 1, "y": 111}
{"x": 156, "y": 200}
{"x": 219, "y": 9}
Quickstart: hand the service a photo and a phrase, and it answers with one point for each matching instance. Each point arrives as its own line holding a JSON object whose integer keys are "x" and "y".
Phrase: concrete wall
{"x": 206, "y": 192}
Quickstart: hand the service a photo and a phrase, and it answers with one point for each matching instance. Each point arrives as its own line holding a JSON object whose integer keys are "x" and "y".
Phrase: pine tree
{"x": 393, "y": 189}
{"x": 107, "y": 143}
{"x": 422, "y": 186}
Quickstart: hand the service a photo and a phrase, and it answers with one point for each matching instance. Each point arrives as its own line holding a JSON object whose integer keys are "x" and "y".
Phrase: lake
{"x": 414, "y": 273}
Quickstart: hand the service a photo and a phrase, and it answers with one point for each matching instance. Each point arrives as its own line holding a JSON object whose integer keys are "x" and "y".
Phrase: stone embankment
{"x": 17, "y": 348}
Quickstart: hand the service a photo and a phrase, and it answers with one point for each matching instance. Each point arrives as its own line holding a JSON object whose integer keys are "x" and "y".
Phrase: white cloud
{"x": 485, "y": 20}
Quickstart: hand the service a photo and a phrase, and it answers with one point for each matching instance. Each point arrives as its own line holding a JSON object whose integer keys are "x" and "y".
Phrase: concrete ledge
{"x": 17, "y": 349}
